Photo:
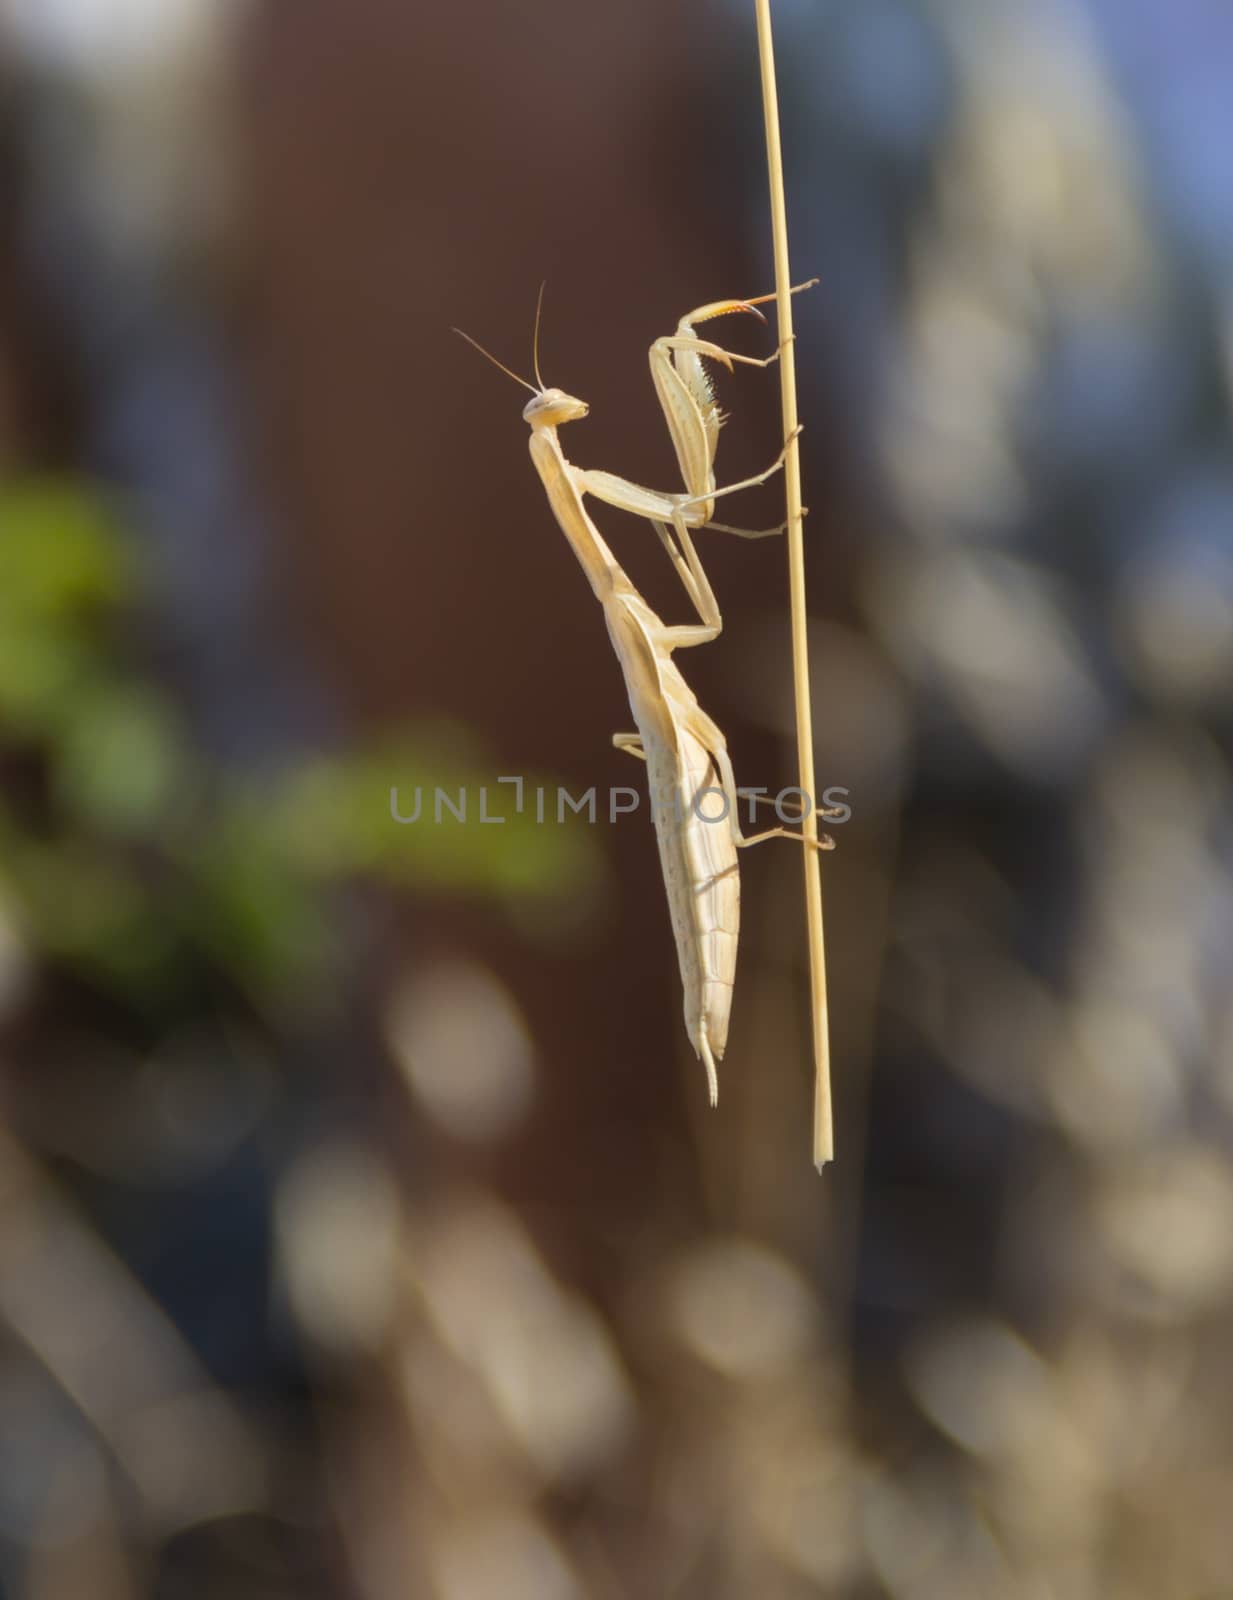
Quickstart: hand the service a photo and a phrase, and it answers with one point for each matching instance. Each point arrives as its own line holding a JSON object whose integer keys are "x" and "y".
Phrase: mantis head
{"x": 548, "y": 408}
{"x": 551, "y": 407}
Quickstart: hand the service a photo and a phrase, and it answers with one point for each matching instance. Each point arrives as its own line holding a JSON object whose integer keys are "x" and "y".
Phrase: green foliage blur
{"x": 128, "y": 855}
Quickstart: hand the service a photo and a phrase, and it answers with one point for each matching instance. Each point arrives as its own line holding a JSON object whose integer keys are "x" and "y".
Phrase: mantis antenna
{"x": 489, "y": 356}
{"x": 539, "y": 306}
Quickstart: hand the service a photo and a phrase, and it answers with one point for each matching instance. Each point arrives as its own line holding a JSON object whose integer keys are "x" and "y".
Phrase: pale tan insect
{"x": 693, "y": 789}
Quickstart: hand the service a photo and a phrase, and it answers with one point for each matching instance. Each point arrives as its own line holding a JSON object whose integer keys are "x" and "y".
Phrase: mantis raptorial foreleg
{"x": 691, "y": 412}
{"x": 687, "y": 398}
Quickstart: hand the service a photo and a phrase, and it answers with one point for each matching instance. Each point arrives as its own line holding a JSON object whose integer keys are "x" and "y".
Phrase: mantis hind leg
{"x": 822, "y": 842}
{"x": 727, "y": 778}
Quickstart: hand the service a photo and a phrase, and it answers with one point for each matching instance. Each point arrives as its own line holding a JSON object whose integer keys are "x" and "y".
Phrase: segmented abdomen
{"x": 697, "y": 853}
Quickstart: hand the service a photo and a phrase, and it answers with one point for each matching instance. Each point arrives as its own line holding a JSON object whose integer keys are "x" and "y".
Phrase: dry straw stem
{"x": 823, "y": 1135}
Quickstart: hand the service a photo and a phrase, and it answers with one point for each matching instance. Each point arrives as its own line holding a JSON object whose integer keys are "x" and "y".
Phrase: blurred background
{"x": 364, "y": 1231}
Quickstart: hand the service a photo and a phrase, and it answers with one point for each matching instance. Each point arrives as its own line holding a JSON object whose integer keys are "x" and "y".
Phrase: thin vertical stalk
{"x": 823, "y": 1134}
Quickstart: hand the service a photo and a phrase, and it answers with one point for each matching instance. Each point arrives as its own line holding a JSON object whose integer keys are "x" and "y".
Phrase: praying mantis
{"x": 684, "y": 748}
